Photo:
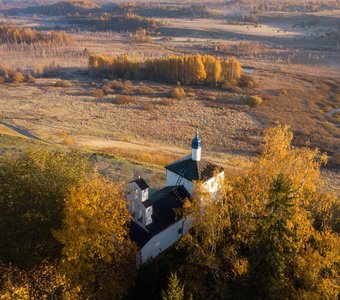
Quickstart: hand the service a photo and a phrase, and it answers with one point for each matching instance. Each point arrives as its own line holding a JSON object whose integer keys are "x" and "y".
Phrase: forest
{"x": 273, "y": 232}
{"x": 186, "y": 69}
{"x": 9, "y": 33}
{"x": 114, "y": 22}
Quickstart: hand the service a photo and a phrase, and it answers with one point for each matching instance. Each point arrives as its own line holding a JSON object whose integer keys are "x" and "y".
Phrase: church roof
{"x": 138, "y": 234}
{"x": 164, "y": 204}
{"x": 194, "y": 170}
{"x": 141, "y": 183}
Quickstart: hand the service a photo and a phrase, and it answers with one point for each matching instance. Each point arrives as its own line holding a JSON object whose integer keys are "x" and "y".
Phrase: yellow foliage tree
{"x": 272, "y": 231}
{"x": 98, "y": 258}
{"x": 188, "y": 69}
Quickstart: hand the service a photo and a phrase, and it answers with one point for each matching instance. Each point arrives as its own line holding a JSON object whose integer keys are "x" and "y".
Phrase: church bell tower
{"x": 196, "y": 147}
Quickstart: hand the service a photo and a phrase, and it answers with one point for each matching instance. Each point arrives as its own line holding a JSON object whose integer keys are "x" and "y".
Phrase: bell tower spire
{"x": 196, "y": 147}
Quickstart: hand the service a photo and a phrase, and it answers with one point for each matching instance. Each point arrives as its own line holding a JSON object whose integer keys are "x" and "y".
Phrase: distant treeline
{"x": 173, "y": 11}
{"x": 17, "y": 35}
{"x": 186, "y": 69}
{"x": 59, "y": 8}
{"x": 106, "y": 21}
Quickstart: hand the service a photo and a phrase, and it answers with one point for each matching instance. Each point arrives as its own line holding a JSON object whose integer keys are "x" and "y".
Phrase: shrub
{"x": 247, "y": 81}
{"x": 118, "y": 85}
{"x": 178, "y": 93}
{"x": 167, "y": 102}
{"x": 250, "y": 84}
{"x": 127, "y": 91}
{"x": 145, "y": 90}
{"x": 2, "y": 80}
{"x": 107, "y": 89}
{"x": 18, "y": 77}
{"x": 283, "y": 92}
{"x": 63, "y": 83}
{"x": 211, "y": 98}
{"x": 123, "y": 99}
{"x": 236, "y": 90}
{"x": 147, "y": 106}
{"x": 97, "y": 93}
{"x": 30, "y": 79}
{"x": 254, "y": 100}
{"x": 128, "y": 84}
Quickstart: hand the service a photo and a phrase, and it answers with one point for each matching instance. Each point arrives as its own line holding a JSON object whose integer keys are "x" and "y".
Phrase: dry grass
{"x": 145, "y": 157}
{"x": 124, "y": 99}
{"x": 144, "y": 90}
{"x": 97, "y": 93}
{"x": 63, "y": 83}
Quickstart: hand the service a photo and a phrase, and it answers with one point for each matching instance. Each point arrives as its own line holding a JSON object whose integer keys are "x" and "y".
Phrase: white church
{"x": 156, "y": 224}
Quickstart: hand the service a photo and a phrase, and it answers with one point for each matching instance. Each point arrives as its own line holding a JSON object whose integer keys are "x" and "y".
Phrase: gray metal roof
{"x": 194, "y": 170}
{"x": 141, "y": 183}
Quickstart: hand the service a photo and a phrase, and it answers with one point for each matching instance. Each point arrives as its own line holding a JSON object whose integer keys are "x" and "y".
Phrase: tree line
{"x": 186, "y": 69}
{"x": 17, "y": 35}
{"x": 115, "y": 22}
{"x": 272, "y": 233}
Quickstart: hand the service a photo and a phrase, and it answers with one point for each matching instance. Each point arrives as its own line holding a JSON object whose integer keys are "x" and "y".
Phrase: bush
{"x": 118, "y": 85}
{"x": 98, "y": 93}
{"x": 178, "y": 93}
{"x": 18, "y": 77}
{"x": 63, "y": 83}
{"x": 128, "y": 84}
{"x": 283, "y": 92}
{"x": 167, "y": 102}
{"x": 145, "y": 90}
{"x": 30, "y": 79}
{"x": 211, "y": 98}
{"x": 127, "y": 91}
{"x": 123, "y": 99}
{"x": 2, "y": 80}
{"x": 147, "y": 106}
{"x": 107, "y": 89}
{"x": 254, "y": 100}
{"x": 247, "y": 81}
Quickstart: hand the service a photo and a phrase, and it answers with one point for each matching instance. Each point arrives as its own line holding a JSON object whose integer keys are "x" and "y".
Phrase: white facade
{"x": 211, "y": 185}
{"x": 136, "y": 196}
{"x": 172, "y": 178}
{"x": 164, "y": 240}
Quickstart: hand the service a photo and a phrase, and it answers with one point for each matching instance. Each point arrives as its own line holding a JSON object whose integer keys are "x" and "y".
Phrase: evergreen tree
{"x": 274, "y": 249}
{"x": 175, "y": 290}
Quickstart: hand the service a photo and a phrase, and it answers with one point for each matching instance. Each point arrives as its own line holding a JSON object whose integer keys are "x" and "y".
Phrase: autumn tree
{"x": 188, "y": 69}
{"x": 175, "y": 290}
{"x": 38, "y": 282}
{"x": 271, "y": 233}
{"x": 32, "y": 189}
{"x": 97, "y": 257}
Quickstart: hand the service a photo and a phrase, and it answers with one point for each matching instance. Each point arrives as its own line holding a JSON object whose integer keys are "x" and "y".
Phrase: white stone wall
{"x": 164, "y": 240}
{"x": 171, "y": 179}
{"x": 213, "y": 184}
{"x": 136, "y": 197}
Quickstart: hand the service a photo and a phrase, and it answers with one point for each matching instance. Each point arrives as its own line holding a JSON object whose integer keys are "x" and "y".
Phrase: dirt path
{"x": 22, "y": 132}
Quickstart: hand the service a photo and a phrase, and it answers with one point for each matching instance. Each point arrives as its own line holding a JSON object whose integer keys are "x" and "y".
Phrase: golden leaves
{"x": 94, "y": 233}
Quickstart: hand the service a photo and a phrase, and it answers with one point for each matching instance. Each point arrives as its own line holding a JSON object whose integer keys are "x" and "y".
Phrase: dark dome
{"x": 196, "y": 142}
